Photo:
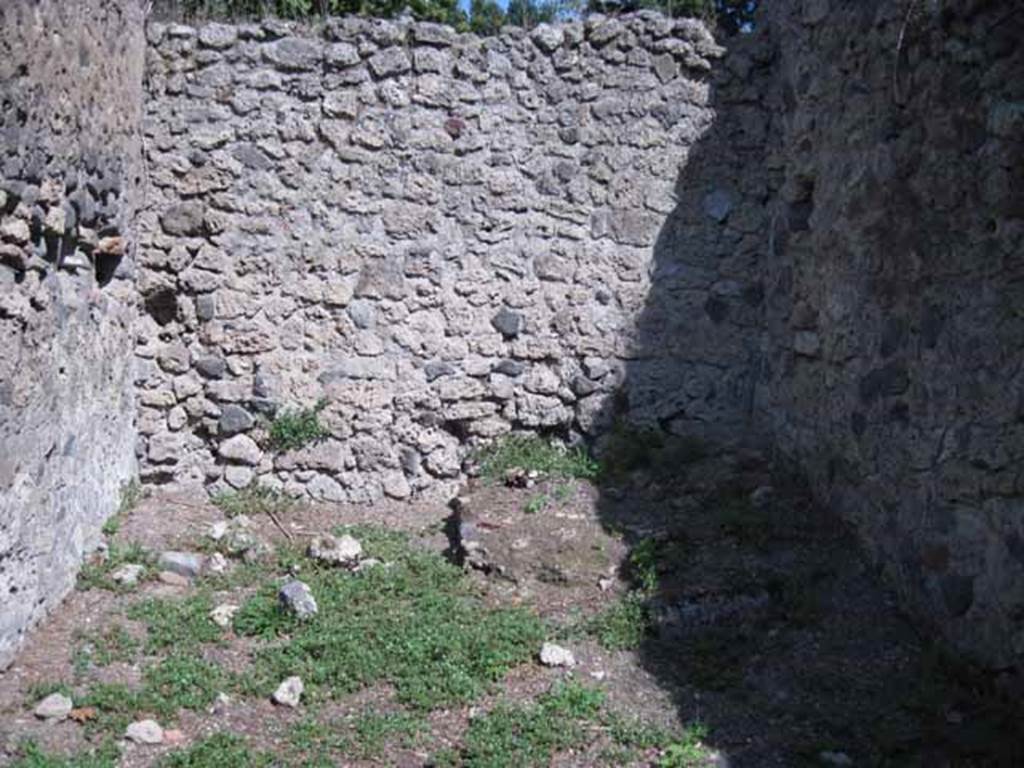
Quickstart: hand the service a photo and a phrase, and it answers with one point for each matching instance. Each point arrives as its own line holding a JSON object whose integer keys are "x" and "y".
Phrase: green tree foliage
{"x": 485, "y": 17}
{"x": 446, "y": 11}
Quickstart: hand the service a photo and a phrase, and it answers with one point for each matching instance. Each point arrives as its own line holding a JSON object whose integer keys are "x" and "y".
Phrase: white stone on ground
{"x": 56, "y": 706}
{"x": 343, "y": 550}
{"x": 223, "y": 614}
{"x": 128, "y": 574}
{"x": 289, "y": 692}
{"x": 552, "y": 655}
{"x": 144, "y": 732}
{"x": 187, "y": 564}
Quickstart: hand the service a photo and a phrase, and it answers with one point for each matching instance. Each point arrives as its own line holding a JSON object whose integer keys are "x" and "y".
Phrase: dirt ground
{"x": 760, "y": 621}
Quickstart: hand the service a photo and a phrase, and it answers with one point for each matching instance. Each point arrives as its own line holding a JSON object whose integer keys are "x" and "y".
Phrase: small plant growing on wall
{"x": 292, "y": 429}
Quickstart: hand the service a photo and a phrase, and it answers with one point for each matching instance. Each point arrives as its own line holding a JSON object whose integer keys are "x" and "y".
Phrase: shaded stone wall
{"x": 70, "y": 112}
{"x": 443, "y": 238}
{"x": 895, "y": 331}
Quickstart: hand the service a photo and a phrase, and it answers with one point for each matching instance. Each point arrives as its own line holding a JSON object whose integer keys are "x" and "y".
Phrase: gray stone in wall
{"x": 70, "y": 165}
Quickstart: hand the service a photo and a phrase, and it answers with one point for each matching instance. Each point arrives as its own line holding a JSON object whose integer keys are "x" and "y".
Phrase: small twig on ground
{"x": 280, "y": 527}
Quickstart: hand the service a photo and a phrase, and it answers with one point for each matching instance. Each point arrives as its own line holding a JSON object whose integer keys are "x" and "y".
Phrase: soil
{"x": 767, "y": 625}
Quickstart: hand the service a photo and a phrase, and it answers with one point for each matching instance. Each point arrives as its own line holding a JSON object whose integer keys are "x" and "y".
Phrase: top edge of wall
{"x": 596, "y": 29}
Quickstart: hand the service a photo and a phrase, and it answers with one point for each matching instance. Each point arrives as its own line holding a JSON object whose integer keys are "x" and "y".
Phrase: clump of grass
{"x": 253, "y": 500}
{"x": 364, "y": 736}
{"x": 102, "y": 649}
{"x": 689, "y": 751}
{"x": 522, "y": 736}
{"x": 433, "y": 639}
{"x": 115, "y": 705}
{"x": 182, "y": 680}
{"x": 221, "y": 750}
{"x": 293, "y": 429}
{"x": 177, "y": 624}
{"x": 535, "y": 454}
{"x": 623, "y": 625}
{"x": 536, "y": 504}
{"x": 643, "y": 565}
{"x": 39, "y": 691}
{"x": 96, "y": 574}
{"x": 30, "y": 755}
{"x": 131, "y": 494}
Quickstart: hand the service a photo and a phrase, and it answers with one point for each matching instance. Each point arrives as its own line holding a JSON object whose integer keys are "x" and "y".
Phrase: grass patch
{"x": 523, "y": 736}
{"x": 536, "y": 504}
{"x": 415, "y": 623}
{"x": 643, "y": 565}
{"x": 116, "y": 705}
{"x": 221, "y": 750}
{"x": 182, "y": 681}
{"x": 687, "y": 752}
{"x": 31, "y": 755}
{"x": 623, "y": 625}
{"x": 363, "y": 737}
{"x": 178, "y": 624}
{"x": 96, "y": 575}
{"x": 296, "y": 428}
{"x": 101, "y": 649}
{"x": 39, "y": 691}
{"x": 253, "y": 500}
{"x": 536, "y": 454}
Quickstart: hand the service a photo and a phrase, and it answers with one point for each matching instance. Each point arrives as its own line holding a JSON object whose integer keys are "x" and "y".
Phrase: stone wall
{"x": 70, "y": 111}
{"x": 441, "y": 238}
{"x": 895, "y": 330}
{"x": 814, "y": 239}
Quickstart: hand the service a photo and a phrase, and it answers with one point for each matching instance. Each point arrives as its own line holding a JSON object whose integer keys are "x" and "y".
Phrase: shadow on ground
{"x": 767, "y": 625}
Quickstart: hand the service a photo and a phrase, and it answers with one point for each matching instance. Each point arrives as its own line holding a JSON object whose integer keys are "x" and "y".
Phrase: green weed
{"x": 623, "y": 625}
{"x": 253, "y": 500}
{"x": 221, "y": 750}
{"x": 564, "y": 492}
{"x": 177, "y": 624}
{"x": 292, "y": 429}
{"x": 689, "y": 751}
{"x": 414, "y": 623}
{"x": 39, "y": 691}
{"x": 525, "y": 736}
{"x": 102, "y": 649}
{"x": 96, "y": 575}
{"x": 29, "y": 755}
{"x": 363, "y": 737}
{"x": 643, "y": 565}
{"x": 536, "y": 504}
{"x": 535, "y": 454}
{"x": 131, "y": 493}
{"x": 115, "y": 704}
{"x": 182, "y": 681}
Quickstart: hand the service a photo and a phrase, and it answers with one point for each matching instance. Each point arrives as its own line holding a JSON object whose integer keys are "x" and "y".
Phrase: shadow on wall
{"x": 766, "y": 623}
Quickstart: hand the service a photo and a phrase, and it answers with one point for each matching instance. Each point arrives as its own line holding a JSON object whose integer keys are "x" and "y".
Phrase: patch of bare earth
{"x": 762, "y": 623}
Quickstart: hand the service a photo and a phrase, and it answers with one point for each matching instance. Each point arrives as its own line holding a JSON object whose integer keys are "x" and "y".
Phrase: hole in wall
{"x": 106, "y": 265}
{"x": 162, "y": 305}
